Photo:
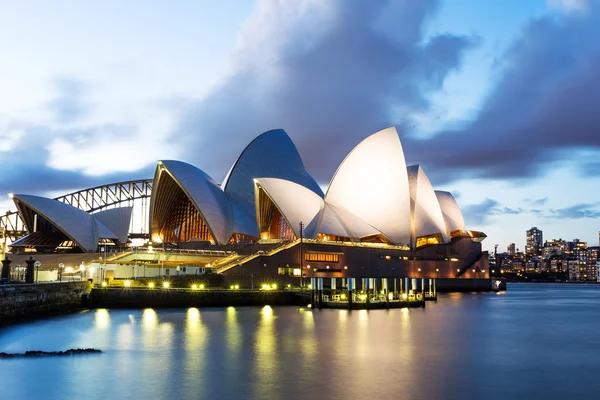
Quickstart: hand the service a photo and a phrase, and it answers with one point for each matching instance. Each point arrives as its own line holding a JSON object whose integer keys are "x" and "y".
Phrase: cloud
{"x": 478, "y": 214}
{"x": 69, "y": 105}
{"x": 537, "y": 202}
{"x": 569, "y": 5}
{"x": 329, "y": 72}
{"x": 542, "y": 109}
{"x": 577, "y": 211}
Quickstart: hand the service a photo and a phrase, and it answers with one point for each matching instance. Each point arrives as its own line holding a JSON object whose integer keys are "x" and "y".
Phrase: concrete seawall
{"x": 173, "y": 298}
{"x": 468, "y": 285}
{"x": 22, "y": 301}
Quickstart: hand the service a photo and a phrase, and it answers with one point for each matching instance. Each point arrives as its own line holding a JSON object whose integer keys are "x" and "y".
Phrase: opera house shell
{"x": 53, "y": 225}
{"x": 268, "y": 196}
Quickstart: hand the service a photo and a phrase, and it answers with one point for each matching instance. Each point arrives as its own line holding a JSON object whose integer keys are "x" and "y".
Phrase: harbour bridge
{"x": 131, "y": 193}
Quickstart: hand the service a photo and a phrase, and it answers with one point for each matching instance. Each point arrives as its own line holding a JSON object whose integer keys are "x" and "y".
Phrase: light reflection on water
{"x": 464, "y": 346}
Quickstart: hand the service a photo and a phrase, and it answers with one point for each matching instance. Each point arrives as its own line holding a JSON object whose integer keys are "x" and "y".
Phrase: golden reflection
{"x": 193, "y": 318}
{"x": 266, "y": 364}
{"x": 232, "y": 327}
{"x": 196, "y": 338}
{"x": 149, "y": 319}
{"x": 363, "y": 315}
{"x": 102, "y": 318}
{"x": 343, "y": 315}
{"x": 267, "y": 313}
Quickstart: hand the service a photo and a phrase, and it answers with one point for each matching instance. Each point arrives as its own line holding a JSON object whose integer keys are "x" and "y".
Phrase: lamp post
{"x": 37, "y": 270}
{"x": 301, "y": 253}
{"x": 81, "y": 270}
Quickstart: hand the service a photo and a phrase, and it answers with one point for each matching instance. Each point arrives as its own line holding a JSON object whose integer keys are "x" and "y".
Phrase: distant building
{"x": 574, "y": 272}
{"x": 553, "y": 248}
{"x": 534, "y": 242}
{"x": 511, "y": 250}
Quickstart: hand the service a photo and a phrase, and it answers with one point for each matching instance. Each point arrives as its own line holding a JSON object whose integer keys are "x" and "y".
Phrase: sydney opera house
{"x": 378, "y": 217}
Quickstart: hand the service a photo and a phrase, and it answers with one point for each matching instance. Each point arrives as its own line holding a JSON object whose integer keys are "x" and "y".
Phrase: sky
{"x": 497, "y": 100}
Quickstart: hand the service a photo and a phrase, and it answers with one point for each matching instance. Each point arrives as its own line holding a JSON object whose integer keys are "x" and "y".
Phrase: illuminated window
{"x": 323, "y": 257}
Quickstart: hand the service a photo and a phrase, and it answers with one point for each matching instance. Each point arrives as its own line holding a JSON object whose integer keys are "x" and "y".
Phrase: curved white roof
{"x": 77, "y": 224}
{"x": 117, "y": 220}
{"x": 270, "y": 155}
{"x": 339, "y": 222}
{"x": 295, "y": 202}
{"x": 242, "y": 222}
{"x": 426, "y": 214}
{"x": 451, "y": 211}
{"x": 206, "y": 195}
{"x": 372, "y": 183}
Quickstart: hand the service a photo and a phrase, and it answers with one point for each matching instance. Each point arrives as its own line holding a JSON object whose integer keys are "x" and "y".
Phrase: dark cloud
{"x": 478, "y": 214}
{"x": 363, "y": 68}
{"x": 537, "y": 202}
{"x": 578, "y": 211}
{"x": 512, "y": 211}
{"x": 543, "y": 109}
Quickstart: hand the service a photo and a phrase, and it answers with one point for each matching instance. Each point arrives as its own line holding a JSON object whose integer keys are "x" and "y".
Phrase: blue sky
{"x": 497, "y": 100}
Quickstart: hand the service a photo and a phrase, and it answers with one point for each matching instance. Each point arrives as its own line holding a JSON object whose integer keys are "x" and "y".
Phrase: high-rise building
{"x": 534, "y": 243}
{"x": 511, "y": 249}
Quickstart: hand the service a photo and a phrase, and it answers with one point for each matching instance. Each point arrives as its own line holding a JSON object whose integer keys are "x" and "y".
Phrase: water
{"x": 534, "y": 341}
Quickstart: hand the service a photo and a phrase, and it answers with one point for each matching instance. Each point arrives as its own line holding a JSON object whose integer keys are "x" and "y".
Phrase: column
{"x": 5, "y": 277}
{"x": 350, "y": 284}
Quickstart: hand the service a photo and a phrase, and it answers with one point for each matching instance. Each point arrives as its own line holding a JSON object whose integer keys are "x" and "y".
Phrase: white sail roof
{"x": 75, "y": 223}
{"x": 426, "y": 214}
{"x": 270, "y": 155}
{"x": 451, "y": 211}
{"x": 372, "y": 183}
{"x": 117, "y": 220}
{"x": 295, "y": 202}
{"x": 206, "y": 195}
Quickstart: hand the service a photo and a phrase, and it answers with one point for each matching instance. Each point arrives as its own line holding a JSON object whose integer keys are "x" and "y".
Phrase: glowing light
{"x": 91, "y": 269}
{"x": 194, "y": 287}
{"x": 457, "y": 269}
{"x": 104, "y": 284}
{"x": 437, "y": 270}
{"x": 150, "y": 285}
{"x": 343, "y": 297}
{"x": 265, "y": 287}
{"x": 454, "y": 259}
{"x": 345, "y": 267}
{"x": 419, "y": 269}
{"x": 68, "y": 270}
{"x": 166, "y": 285}
{"x": 289, "y": 285}
{"x": 201, "y": 287}
{"x": 327, "y": 267}
{"x": 127, "y": 283}
{"x": 150, "y": 249}
{"x": 363, "y": 297}
{"x": 297, "y": 272}
{"x": 388, "y": 257}
{"x": 390, "y": 296}
{"x": 404, "y": 296}
{"x": 473, "y": 270}
{"x": 237, "y": 287}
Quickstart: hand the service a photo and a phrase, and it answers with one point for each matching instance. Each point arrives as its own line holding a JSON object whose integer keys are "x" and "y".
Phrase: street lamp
{"x": 81, "y": 270}
{"x": 37, "y": 269}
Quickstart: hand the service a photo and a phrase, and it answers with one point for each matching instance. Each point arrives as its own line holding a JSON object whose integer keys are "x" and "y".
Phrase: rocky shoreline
{"x": 39, "y": 353}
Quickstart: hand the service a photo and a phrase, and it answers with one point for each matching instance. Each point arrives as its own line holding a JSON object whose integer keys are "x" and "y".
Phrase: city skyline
{"x": 125, "y": 93}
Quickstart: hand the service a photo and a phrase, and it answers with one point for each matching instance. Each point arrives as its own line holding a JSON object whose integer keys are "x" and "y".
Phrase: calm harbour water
{"x": 534, "y": 341}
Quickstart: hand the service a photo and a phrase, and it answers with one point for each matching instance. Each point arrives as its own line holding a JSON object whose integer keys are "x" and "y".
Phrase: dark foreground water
{"x": 534, "y": 341}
